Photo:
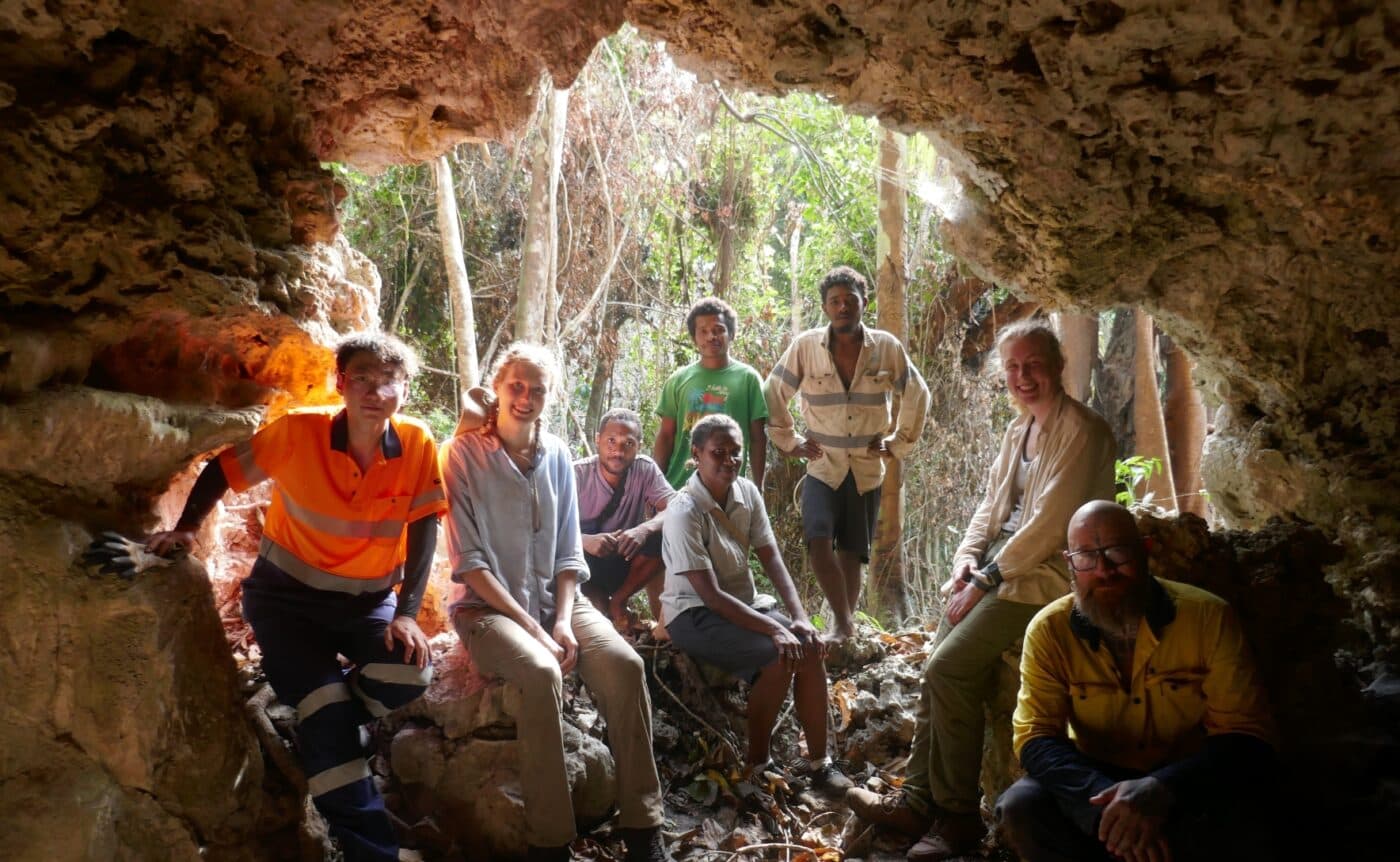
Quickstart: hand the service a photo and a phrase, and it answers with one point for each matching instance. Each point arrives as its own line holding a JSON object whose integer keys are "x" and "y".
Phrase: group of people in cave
{"x": 1140, "y": 722}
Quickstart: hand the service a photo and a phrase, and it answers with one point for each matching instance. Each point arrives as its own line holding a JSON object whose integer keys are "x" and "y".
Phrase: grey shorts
{"x": 705, "y": 635}
{"x": 843, "y": 515}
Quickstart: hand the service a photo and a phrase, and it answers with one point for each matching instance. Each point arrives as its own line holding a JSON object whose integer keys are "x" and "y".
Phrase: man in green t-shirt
{"x": 714, "y": 383}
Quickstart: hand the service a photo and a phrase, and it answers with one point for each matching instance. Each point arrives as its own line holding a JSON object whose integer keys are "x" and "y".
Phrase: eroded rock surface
{"x": 1232, "y": 168}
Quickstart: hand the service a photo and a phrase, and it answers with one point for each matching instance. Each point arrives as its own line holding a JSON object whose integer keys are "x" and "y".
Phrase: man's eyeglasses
{"x": 1113, "y": 557}
{"x": 373, "y": 381}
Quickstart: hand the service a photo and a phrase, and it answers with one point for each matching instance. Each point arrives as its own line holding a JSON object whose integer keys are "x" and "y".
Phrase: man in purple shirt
{"x": 620, "y": 499}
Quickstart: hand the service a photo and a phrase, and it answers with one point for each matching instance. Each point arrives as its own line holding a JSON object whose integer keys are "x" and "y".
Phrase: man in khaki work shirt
{"x": 848, "y": 375}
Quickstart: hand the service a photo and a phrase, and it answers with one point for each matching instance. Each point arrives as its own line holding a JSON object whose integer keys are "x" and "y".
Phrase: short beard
{"x": 1117, "y": 620}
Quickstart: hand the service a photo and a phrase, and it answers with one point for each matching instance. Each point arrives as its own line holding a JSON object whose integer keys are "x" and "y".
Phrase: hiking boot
{"x": 951, "y": 835}
{"x": 889, "y": 809}
{"x": 644, "y": 845}
{"x": 828, "y": 779}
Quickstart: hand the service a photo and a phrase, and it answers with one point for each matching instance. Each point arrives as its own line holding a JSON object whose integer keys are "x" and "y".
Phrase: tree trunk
{"x": 1185, "y": 419}
{"x": 795, "y": 283}
{"x": 724, "y": 227}
{"x": 1079, "y": 340}
{"x": 1113, "y": 382}
{"x": 888, "y": 597}
{"x": 459, "y": 287}
{"x": 603, "y": 362}
{"x": 534, "y": 301}
{"x": 1147, "y": 413}
{"x": 558, "y": 113}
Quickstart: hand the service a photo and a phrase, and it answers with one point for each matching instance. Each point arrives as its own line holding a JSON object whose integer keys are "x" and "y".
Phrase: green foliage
{"x": 1131, "y": 472}
{"x": 658, "y": 168}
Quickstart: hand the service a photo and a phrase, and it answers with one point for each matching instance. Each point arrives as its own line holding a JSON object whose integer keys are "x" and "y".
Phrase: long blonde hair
{"x": 529, "y": 353}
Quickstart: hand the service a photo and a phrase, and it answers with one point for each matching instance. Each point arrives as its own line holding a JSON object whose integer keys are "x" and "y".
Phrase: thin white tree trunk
{"x": 1079, "y": 340}
{"x": 1148, "y": 425}
{"x": 558, "y": 113}
{"x": 458, "y": 284}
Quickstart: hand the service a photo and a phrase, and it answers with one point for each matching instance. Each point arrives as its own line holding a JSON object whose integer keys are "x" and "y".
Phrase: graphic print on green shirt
{"x": 694, "y": 392}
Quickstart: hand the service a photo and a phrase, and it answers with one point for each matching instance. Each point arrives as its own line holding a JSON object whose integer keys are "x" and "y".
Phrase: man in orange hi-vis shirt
{"x": 355, "y": 505}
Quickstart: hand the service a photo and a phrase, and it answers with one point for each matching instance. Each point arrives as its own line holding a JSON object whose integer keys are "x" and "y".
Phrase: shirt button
{"x": 1137, "y": 700}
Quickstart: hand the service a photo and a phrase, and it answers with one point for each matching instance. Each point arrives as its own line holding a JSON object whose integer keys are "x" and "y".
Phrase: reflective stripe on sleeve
{"x": 786, "y": 376}
{"x": 243, "y": 455}
{"x": 432, "y": 495}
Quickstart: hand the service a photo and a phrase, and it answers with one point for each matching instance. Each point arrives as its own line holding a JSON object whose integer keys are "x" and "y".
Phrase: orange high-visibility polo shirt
{"x": 329, "y": 526}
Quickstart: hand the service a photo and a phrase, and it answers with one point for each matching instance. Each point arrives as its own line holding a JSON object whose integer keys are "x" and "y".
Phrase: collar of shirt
{"x": 1161, "y": 610}
{"x": 389, "y": 444}
{"x": 866, "y": 339}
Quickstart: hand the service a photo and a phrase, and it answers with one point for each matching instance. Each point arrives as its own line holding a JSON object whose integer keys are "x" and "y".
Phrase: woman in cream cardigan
{"x": 1055, "y": 456}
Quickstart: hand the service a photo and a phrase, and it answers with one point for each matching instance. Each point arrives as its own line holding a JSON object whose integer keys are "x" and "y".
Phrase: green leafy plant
{"x": 1131, "y": 472}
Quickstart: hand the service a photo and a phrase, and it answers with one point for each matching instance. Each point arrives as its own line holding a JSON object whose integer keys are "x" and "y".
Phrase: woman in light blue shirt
{"x": 517, "y": 559}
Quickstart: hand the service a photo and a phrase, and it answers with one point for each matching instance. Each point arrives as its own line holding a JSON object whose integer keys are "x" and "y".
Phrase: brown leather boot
{"x": 950, "y": 836}
{"x": 888, "y": 809}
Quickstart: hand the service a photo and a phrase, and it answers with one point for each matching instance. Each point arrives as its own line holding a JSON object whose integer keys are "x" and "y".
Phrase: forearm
{"x": 662, "y": 448}
{"x": 208, "y": 489}
{"x": 565, "y": 584}
{"x": 758, "y": 453}
{"x": 422, "y": 542}
{"x": 1225, "y": 757}
{"x": 484, "y": 586}
{"x": 1062, "y": 768}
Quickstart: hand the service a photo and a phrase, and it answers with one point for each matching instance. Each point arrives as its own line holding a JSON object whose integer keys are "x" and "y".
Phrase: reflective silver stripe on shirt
{"x": 398, "y": 674}
{"x": 342, "y": 527}
{"x": 836, "y": 441}
{"x": 323, "y": 580}
{"x": 243, "y": 454}
{"x": 831, "y": 399}
{"x": 432, "y": 495}
{"x": 786, "y": 376}
{"x": 335, "y": 692}
{"x": 337, "y": 776}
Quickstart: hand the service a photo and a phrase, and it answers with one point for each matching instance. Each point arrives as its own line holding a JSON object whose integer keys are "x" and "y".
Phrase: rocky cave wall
{"x": 169, "y": 267}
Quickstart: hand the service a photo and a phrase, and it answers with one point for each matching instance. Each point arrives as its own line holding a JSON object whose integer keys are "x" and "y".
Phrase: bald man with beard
{"x": 1141, "y": 722}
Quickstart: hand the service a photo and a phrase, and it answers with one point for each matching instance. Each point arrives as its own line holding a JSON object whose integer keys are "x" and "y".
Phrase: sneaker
{"x": 889, "y": 809}
{"x": 952, "y": 835}
{"x": 828, "y": 779}
{"x": 644, "y": 845}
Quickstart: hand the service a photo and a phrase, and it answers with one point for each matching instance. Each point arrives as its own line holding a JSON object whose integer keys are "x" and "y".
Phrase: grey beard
{"x": 1119, "y": 622}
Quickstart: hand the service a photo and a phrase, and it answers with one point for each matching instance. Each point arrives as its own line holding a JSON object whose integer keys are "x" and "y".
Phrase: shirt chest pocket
{"x": 1178, "y": 697}
{"x": 1097, "y": 705}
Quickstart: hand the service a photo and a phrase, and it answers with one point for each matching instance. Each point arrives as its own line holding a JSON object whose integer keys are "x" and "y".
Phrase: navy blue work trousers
{"x": 303, "y": 632}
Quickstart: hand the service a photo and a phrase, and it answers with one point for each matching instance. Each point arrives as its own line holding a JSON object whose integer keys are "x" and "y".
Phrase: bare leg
{"x": 640, "y": 573}
{"x": 832, "y": 579}
{"x": 810, "y": 698}
{"x": 850, "y": 571}
{"x": 654, "y": 587}
{"x": 765, "y": 699}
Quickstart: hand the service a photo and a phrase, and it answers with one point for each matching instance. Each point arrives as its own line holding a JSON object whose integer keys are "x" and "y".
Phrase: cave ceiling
{"x": 1232, "y": 167}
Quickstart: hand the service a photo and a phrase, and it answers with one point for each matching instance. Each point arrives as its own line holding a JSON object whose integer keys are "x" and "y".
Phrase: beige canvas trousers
{"x": 615, "y": 676}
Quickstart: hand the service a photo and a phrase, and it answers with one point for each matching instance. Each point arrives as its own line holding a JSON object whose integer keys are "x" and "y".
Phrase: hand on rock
{"x": 115, "y": 554}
